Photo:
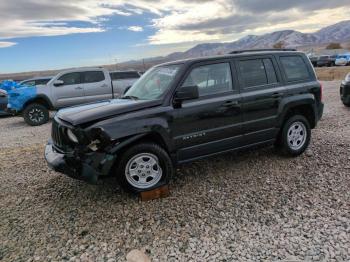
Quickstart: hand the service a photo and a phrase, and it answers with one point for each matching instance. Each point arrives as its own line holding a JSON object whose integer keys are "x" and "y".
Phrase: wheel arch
{"x": 303, "y": 105}
{"x": 40, "y": 99}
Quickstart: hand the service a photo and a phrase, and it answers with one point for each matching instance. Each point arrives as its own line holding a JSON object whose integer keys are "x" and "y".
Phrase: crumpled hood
{"x": 102, "y": 110}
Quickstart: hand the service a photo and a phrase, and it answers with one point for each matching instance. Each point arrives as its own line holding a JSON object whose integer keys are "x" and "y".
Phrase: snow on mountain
{"x": 290, "y": 38}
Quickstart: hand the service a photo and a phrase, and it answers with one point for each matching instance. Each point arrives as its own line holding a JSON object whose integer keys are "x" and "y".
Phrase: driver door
{"x": 213, "y": 122}
{"x": 71, "y": 92}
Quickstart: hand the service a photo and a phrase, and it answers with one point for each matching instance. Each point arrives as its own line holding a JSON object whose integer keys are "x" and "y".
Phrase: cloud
{"x": 7, "y": 44}
{"x": 135, "y": 28}
{"x": 174, "y": 21}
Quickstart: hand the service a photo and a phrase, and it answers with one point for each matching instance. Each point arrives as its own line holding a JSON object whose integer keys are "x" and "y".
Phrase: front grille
{"x": 58, "y": 135}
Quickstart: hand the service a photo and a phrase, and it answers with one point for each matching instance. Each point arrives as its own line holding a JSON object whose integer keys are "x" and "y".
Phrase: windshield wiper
{"x": 130, "y": 97}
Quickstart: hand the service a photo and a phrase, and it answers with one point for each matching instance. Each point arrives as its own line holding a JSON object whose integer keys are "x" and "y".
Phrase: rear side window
{"x": 70, "y": 79}
{"x": 295, "y": 68}
{"x": 93, "y": 77}
{"x": 211, "y": 79}
{"x": 124, "y": 75}
{"x": 257, "y": 72}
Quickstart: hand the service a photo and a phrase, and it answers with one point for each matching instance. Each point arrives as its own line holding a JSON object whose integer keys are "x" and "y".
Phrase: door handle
{"x": 277, "y": 95}
{"x": 231, "y": 103}
{"x": 78, "y": 88}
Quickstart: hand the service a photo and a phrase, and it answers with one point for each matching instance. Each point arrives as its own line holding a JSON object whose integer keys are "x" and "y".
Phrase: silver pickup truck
{"x": 68, "y": 88}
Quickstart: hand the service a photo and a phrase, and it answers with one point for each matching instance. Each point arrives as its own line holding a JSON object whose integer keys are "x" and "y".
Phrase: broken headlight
{"x": 72, "y": 136}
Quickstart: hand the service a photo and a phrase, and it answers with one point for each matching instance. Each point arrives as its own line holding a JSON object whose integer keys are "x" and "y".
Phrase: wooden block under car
{"x": 157, "y": 193}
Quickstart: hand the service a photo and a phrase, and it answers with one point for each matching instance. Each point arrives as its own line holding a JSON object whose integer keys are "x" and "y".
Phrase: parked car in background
{"x": 36, "y": 81}
{"x": 343, "y": 60}
{"x": 187, "y": 110}
{"x": 326, "y": 60}
{"x": 68, "y": 88}
{"x": 122, "y": 80}
{"x": 314, "y": 60}
{"x": 345, "y": 91}
{"x": 3, "y": 102}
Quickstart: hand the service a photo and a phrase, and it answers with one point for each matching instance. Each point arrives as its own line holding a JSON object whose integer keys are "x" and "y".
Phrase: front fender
{"x": 128, "y": 131}
{"x": 18, "y": 98}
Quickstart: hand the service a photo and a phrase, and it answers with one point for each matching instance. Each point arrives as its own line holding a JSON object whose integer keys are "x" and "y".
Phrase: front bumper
{"x": 87, "y": 167}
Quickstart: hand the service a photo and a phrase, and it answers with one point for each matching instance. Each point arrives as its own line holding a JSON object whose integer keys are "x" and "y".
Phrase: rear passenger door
{"x": 211, "y": 123}
{"x": 95, "y": 86}
{"x": 262, "y": 91}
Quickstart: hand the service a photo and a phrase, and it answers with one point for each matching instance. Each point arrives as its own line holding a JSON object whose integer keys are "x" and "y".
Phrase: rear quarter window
{"x": 124, "y": 75}
{"x": 295, "y": 68}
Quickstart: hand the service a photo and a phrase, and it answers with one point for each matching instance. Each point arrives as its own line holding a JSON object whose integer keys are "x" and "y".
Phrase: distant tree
{"x": 348, "y": 46}
{"x": 334, "y": 46}
{"x": 279, "y": 45}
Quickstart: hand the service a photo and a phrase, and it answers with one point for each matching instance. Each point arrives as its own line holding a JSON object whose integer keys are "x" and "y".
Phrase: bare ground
{"x": 250, "y": 206}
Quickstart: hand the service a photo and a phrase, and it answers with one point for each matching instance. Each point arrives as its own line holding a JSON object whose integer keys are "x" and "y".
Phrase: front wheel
{"x": 145, "y": 167}
{"x": 36, "y": 115}
{"x": 295, "y": 136}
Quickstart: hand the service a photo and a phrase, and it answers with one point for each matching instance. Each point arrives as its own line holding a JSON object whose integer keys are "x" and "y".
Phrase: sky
{"x": 46, "y": 34}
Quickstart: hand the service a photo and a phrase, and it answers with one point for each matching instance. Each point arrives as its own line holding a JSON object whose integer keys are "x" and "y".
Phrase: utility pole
{"x": 116, "y": 63}
{"x": 144, "y": 66}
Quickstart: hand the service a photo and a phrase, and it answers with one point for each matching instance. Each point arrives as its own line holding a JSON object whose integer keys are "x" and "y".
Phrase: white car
{"x": 343, "y": 60}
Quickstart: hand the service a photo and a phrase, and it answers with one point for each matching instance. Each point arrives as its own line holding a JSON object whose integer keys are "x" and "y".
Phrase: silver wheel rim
{"x": 296, "y": 135}
{"x": 36, "y": 115}
{"x": 143, "y": 171}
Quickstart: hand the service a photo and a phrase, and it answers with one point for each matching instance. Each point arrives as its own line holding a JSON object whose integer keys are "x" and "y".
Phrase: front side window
{"x": 93, "y": 77}
{"x": 295, "y": 68}
{"x": 154, "y": 83}
{"x": 211, "y": 79}
{"x": 42, "y": 81}
{"x": 29, "y": 83}
{"x": 70, "y": 79}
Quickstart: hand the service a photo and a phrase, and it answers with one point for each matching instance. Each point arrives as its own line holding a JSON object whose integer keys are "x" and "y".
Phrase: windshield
{"x": 153, "y": 84}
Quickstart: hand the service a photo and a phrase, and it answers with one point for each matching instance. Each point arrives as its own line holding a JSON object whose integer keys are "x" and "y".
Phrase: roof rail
{"x": 261, "y": 50}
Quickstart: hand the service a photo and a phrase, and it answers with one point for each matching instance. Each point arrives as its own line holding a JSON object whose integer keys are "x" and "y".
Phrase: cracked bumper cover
{"x": 88, "y": 167}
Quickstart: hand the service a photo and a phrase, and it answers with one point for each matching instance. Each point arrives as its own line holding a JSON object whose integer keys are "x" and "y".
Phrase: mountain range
{"x": 338, "y": 33}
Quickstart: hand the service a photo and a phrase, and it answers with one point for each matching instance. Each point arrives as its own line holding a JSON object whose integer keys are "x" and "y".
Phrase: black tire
{"x": 151, "y": 149}
{"x": 285, "y": 146}
{"x": 36, "y": 114}
{"x": 346, "y": 104}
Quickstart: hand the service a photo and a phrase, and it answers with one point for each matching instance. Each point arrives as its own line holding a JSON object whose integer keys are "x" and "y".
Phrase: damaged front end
{"x": 80, "y": 155}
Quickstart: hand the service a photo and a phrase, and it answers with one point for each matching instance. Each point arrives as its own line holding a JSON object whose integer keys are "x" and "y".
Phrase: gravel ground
{"x": 251, "y": 206}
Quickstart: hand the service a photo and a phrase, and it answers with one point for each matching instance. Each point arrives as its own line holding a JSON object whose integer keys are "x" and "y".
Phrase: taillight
{"x": 321, "y": 91}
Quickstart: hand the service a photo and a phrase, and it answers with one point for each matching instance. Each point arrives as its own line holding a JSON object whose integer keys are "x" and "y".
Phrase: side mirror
{"x": 186, "y": 93}
{"x": 58, "y": 83}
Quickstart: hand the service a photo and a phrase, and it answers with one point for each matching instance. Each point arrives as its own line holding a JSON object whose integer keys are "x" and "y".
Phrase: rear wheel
{"x": 36, "y": 115}
{"x": 295, "y": 136}
{"x": 144, "y": 167}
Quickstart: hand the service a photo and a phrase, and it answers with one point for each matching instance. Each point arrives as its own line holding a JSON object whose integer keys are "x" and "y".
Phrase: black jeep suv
{"x": 186, "y": 110}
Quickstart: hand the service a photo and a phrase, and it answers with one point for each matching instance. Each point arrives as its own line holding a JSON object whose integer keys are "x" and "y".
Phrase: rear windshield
{"x": 124, "y": 75}
{"x": 295, "y": 68}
